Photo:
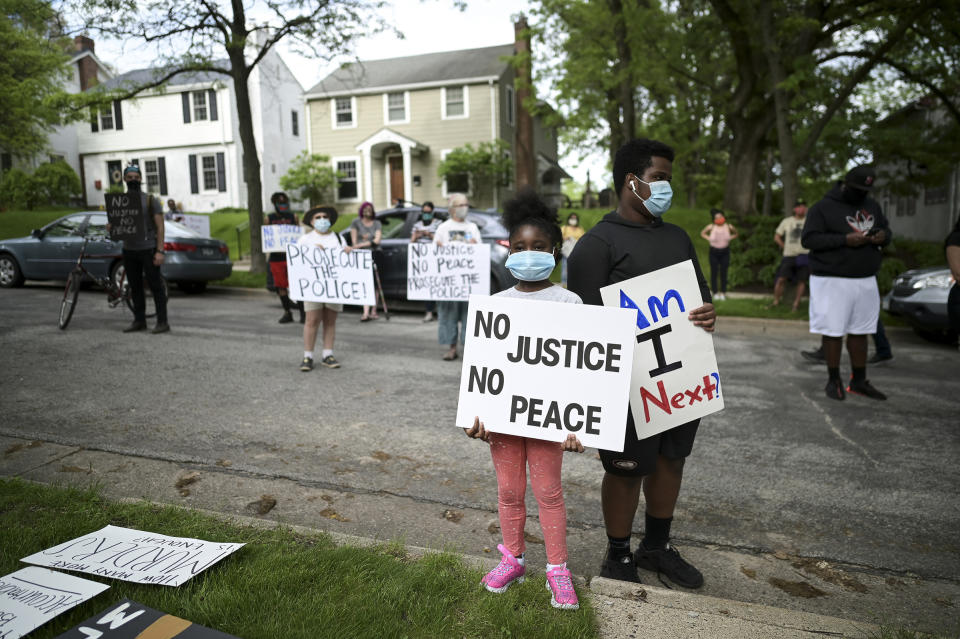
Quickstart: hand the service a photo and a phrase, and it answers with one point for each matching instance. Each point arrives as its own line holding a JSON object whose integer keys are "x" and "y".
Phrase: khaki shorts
{"x": 316, "y": 306}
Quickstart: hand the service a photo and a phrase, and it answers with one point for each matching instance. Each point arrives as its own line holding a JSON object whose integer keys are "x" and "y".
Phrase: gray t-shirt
{"x": 150, "y": 226}
{"x": 553, "y": 293}
{"x": 366, "y": 233}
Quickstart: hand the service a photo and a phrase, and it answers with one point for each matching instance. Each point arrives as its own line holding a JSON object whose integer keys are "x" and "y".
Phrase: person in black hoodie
{"x": 845, "y": 232}
{"x": 632, "y": 241}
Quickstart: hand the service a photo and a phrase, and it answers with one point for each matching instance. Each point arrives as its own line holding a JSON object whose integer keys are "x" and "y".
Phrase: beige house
{"x": 387, "y": 124}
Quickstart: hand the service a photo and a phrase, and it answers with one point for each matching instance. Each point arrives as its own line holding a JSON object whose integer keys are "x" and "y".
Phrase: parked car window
{"x": 67, "y": 227}
{"x": 175, "y": 229}
{"x": 97, "y": 225}
{"x": 393, "y": 225}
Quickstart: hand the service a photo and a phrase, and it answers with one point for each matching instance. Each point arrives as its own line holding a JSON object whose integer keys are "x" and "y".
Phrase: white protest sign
{"x": 134, "y": 555}
{"x": 547, "y": 369}
{"x": 196, "y": 223}
{"x": 31, "y": 597}
{"x": 332, "y": 275}
{"x": 452, "y": 272}
{"x": 275, "y": 237}
{"x": 675, "y": 375}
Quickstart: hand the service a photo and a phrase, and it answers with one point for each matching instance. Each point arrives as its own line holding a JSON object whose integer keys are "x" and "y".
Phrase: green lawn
{"x": 20, "y": 223}
{"x": 282, "y": 584}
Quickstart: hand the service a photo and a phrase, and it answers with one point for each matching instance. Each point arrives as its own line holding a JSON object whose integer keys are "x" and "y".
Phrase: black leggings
{"x": 719, "y": 264}
{"x": 137, "y": 264}
{"x": 953, "y": 308}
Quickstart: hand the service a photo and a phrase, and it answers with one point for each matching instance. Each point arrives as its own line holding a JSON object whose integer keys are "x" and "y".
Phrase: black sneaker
{"x": 162, "y": 327}
{"x": 330, "y": 362}
{"x": 622, "y": 570}
{"x": 286, "y": 318}
{"x": 667, "y": 561}
{"x": 814, "y": 356}
{"x": 877, "y": 358}
{"x": 307, "y": 364}
{"x": 135, "y": 326}
{"x": 834, "y": 389}
{"x": 865, "y": 388}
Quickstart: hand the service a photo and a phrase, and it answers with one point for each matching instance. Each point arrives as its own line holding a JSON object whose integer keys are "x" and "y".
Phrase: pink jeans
{"x": 510, "y": 457}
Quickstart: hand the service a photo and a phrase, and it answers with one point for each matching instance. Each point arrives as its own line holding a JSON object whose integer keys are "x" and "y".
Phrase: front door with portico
{"x": 396, "y": 178}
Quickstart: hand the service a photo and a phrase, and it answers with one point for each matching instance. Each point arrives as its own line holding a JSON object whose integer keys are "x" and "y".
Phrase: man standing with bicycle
{"x": 144, "y": 258}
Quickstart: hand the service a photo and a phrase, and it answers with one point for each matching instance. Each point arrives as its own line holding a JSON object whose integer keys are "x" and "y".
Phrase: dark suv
{"x": 397, "y": 228}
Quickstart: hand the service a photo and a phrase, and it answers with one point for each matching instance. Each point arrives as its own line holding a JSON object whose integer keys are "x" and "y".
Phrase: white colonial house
{"x": 185, "y": 137}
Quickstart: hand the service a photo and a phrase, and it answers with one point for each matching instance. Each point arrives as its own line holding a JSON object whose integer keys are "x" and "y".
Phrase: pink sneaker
{"x": 560, "y": 585}
{"x": 507, "y": 571}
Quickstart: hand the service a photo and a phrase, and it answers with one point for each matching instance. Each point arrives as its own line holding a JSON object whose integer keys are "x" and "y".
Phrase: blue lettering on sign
{"x": 654, "y": 305}
{"x": 717, "y": 378}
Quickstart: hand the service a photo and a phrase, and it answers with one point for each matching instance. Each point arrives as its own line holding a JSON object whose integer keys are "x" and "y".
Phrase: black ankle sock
{"x": 834, "y": 373}
{"x": 618, "y": 547}
{"x": 657, "y": 532}
{"x": 859, "y": 373}
{"x": 285, "y": 301}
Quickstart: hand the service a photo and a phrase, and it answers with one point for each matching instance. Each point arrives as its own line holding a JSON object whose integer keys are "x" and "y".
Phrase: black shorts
{"x": 639, "y": 456}
{"x": 795, "y": 269}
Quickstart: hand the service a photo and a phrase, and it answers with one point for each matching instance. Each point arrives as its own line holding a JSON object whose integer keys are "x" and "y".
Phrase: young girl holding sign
{"x": 534, "y": 241}
{"x": 320, "y": 219}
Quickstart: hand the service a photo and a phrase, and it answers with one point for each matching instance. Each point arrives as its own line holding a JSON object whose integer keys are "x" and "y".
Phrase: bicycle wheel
{"x": 69, "y": 301}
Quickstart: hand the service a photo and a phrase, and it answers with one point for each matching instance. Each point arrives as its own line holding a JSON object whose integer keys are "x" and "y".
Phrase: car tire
{"x": 192, "y": 288}
{"x": 10, "y": 274}
{"x": 934, "y": 335}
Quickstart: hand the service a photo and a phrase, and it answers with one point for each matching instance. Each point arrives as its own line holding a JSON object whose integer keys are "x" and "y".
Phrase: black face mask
{"x": 133, "y": 186}
{"x": 853, "y": 196}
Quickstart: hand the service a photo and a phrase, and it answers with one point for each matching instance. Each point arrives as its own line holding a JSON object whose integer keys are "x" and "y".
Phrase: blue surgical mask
{"x": 661, "y": 195}
{"x": 426, "y": 217}
{"x": 531, "y": 266}
{"x": 322, "y": 224}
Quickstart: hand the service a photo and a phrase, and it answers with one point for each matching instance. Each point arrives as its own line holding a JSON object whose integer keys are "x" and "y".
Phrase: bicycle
{"x": 117, "y": 288}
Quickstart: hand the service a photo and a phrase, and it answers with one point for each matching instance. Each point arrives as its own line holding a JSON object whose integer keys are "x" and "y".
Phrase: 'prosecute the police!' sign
{"x": 452, "y": 272}
{"x": 675, "y": 375}
{"x": 526, "y": 376}
{"x": 331, "y": 275}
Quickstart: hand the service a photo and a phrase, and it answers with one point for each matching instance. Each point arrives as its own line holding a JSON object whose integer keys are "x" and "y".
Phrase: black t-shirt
{"x": 281, "y": 218}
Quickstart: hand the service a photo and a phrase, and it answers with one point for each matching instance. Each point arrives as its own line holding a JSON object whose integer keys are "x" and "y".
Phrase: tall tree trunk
{"x": 251, "y": 162}
{"x": 740, "y": 188}
{"x": 781, "y": 108}
{"x": 628, "y": 120}
{"x": 768, "y": 185}
{"x": 616, "y": 131}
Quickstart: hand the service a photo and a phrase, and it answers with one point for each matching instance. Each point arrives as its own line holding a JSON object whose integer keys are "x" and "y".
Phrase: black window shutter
{"x": 194, "y": 183}
{"x": 185, "y": 96}
{"x": 221, "y": 174}
{"x": 162, "y": 169}
{"x": 212, "y": 100}
{"x": 117, "y": 116}
{"x": 94, "y": 120}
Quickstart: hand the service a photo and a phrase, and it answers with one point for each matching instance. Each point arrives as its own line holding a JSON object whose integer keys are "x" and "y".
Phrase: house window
{"x": 454, "y": 102}
{"x": 935, "y": 195}
{"x": 151, "y": 175}
{"x": 511, "y": 107}
{"x": 106, "y": 119}
{"x": 343, "y": 113}
{"x": 199, "y": 105}
{"x": 295, "y": 123}
{"x": 347, "y": 186}
{"x": 56, "y": 158}
{"x": 396, "y": 107}
{"x": 208, "y": 166}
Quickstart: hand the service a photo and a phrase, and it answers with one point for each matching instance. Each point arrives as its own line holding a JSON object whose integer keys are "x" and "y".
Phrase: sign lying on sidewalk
{"x": 332, "y": 275}
{"x": 452, "y": 272}
{"x": 547, "y": 379}
{"x": 275, "y": 237}
{"x": 134, "y": 555}
{"x": 675, "y": 376}
{"x": 33, "y": 596}
{"x": 131, "y": 620}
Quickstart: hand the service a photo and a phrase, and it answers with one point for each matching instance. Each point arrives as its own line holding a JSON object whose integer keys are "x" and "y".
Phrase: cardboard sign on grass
{"x": 125, "y": 216}
{"x": 547, "y": 369}
{"x": 33, "y": 596}
{"x": 675, "y": 375}
{"x": 134, "y": 555}
{"x": 452, "y": 272}
{"x": 131, "y": 620}
{"x": 332, "y": 275}
{"x": 275, "y": 237}
{"x": 197, "y": 223}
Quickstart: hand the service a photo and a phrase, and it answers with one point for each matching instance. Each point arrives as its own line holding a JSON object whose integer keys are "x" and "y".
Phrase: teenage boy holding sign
{"x": 631, "y": 241}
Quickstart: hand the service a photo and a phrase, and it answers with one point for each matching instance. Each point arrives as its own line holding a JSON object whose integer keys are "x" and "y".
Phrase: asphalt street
{"x": 857, "y": 499}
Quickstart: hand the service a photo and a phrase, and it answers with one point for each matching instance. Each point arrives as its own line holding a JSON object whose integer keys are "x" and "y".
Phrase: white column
{"x": 367, "y": 195}
{"x": 407, "y": 178}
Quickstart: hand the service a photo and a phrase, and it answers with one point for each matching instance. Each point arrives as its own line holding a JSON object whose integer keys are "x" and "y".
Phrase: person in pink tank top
{"x": 719, "y": 234}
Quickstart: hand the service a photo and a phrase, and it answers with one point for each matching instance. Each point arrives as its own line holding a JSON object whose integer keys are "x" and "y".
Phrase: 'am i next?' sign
{"x": 675, "y": 375}
{"x": 547, "y": 369}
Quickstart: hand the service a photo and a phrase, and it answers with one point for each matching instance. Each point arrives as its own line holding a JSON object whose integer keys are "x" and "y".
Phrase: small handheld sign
{"x": 125, "y": 217}
{"x": 332, "y": 275}
{"x": 275, "y": 237}
{"x": 32, "y": 596}
{"x": 675, "y": 375}
{"x": 526, "y": 376}
{"x": 452, "y": 272}
{"x": 196, "y": 223}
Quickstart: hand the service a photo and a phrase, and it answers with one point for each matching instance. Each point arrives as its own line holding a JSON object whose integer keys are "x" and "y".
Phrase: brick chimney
{"x": 526, "y": 163}
{"x": 86, "y": 65}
